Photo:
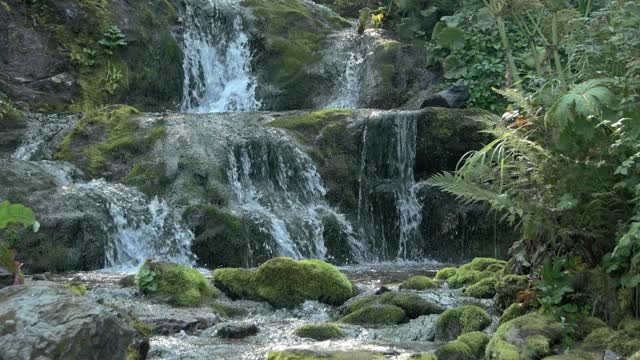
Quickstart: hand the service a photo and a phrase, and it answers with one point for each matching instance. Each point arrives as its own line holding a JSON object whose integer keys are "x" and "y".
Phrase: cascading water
{"x": 349, "y": 45}
{"x": 217, "y": 59}
{"x": 390, "y": 215}
{"x": 140, "y": 229}
{"x": 277, "y": 186}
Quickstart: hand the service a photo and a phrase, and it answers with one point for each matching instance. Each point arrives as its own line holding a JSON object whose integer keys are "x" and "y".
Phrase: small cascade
{"x": 217, "y": 59}
{"x": 140, "y": 229}
{"x": 351, "y": 46}
{"x": 390, "y": 215}
{"x": 277, "y": 186}
{"x": 43, "y": 134}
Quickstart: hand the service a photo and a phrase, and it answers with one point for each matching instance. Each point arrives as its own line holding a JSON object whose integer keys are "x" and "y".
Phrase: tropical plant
{"x": 113, "y": 39}
{"x": 20, "y": 215}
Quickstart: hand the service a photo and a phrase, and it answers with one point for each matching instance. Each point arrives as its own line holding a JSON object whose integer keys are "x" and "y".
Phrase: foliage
{"x": 113, "y": 39}
{"x": 17, "y": 214}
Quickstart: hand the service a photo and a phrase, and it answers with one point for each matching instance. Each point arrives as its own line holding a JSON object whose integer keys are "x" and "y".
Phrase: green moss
{"x": 512, "y": 312}
{"x": 483, "y": 289}
{"x": 310, "y": 124}
{"x": 376, "y": 315}
{"x": 478, "y": 269}
{"x": 507, "y": 289}
{"x": 106, "y": 136}
{"x": 455, "y": 350}
{"x": 423, "y": 357}
{"x": 586, "y": 325}
{"x": 464, "y": 319}
{"x": 419, "y": 282}
{"x": 143, "y": 328}
{"x": 570, "y": 357}
{"x": 358, "y": 303}
{"x": 635, "y": 356}
{"x": 412, "y": 304}
{"x": 598, "y": 339}
{"x": 319, "y": 332}
{"x": 285, "y": 282}
{"x": 150, "y": 178}
{"x": 178, "y": 284}
{"x": 476, "y": 341}
{"x": 78, "y": 289}
{"x": 228, "y": 310}
{"x": 526, "y": 337}
{"x": 446, "y": 273}
{"x": 236, "y": 283}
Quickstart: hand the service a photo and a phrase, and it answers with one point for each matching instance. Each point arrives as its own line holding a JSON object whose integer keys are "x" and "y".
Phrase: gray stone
{"x": 44, "y": 320}
{"x": 234, "y": 330}
{"x": 453, "y": 97}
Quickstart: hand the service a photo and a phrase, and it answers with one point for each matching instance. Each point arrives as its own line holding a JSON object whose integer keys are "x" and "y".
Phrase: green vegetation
{"x": 320, "y": 332}
{"x": 412, "y": 304}
{"x": 78, "y": 289}
{"x": 177, "y": 284}
{"x": 455, "y": 350}
{"x": 536, "y": 334}
{"x": 476, "y": 341}
{"x": 308, "y": 355}
{"x": 446, "y": 273}
{"x": 512, "y": 312}
{"x": 376, "y": 315}
{"x": 483, "y": 289}
{"x": 13, "y": 214}
{"x": 284, "y": 282}
{"x": 418, "y": 282}
{"x": 478, "y": 269}
{"x": 461, "y": 320}
{"x": 226, "y": 310}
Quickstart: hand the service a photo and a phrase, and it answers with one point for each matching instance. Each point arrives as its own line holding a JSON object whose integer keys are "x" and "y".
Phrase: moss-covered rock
{"x": 585, "y": 326}
{"x": 423, "y": 357}
{"x": 478, "y": 269}
{"x": 512, "y": 312}
{"x": 446, "y": 273}
{"x": 227, "y": 310}
{"x": 464, "y": 319}
{"x": 476, "y": 341}
{"x": 598, "y": 339}
{"x": 177, "y": 284}
{"x": 357, "y": 303}
{"x": 376, "y": 315}
{"x": 237, "y": 283}
{"x": 527, "y": 337}
{"x": 285, "y": 282}
{"x": 455, "y": 350}
{"x": 419, "y": 282}
{"x": 483, "y": 289}
{"x": 319, "y": 332}
{"x": 507, "y": 289}
{"x": 412, "y": 304}
{"x": 104, "y": 142}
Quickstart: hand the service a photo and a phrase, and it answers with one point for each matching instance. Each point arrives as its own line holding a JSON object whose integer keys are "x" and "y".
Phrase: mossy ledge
{"x": 285, "y": 283}
{"x": 106, "y": 137}
{"x": 176, "y": 284}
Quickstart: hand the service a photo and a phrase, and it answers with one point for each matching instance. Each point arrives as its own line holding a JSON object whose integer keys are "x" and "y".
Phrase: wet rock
{"x": 127, "y": 281}
{"x": 174, "y": 326}
{"x": 453, "y": 97}
{"x": 610, "y": 355}
{"x": 234, "y": 330}
{"x": 41, "y": 277}
{"x": 421, "y": 329}
{"x": 382, "y": 290}
{"x": 45, "y": 320}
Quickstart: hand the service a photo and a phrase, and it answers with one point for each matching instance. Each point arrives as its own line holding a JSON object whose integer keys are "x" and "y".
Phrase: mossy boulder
{"x": 476, "y": 341}
{"x": 285, "y": 282}
{"x": 464, "y": 319}
{"x": 376, "y": 315}
{"x": 507, "y": 288}
{"x": 177, "y": 284}
{"x": 227, "y": 310}
{"x": 446, "y": 273}
{"x": 586, "y": 325}
{"x": 455, "y": 350}
{"x": 483, "y": 289}
{"x": 423, "y": 357}
{"x": 419, "y": 282}
{"x": 512, "y": 312}
{"x": 412, "y": 305}
{"x": 625, "y": 341}
{"x": 478, "y": 269}
{"x": 323, "y": 355}
{"x": 319, "y": 332}
{"x": 527, "y": 337}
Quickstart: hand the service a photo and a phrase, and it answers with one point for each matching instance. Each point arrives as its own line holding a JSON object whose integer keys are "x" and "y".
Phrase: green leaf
{"x": 567, "y": 202}
{"x": 584, "y": 100}
{"x": 451, "y": 37}
{"x": 453, "y": 67}
{"x": 16, "y": 214}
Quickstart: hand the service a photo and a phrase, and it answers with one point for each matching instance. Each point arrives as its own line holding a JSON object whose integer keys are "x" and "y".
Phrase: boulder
{"x": 235, "y": 330}
{"x": 461, "y": 320}
{"x": 453, "y": 97}
{"x": 527, "y": 337}
{"x": 45, "y": 320}
{"x": 419, "y": 282}
{"x": 320, "y": 332}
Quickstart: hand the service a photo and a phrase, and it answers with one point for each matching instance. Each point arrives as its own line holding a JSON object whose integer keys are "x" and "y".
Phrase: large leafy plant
{"x": 20, "y": 215}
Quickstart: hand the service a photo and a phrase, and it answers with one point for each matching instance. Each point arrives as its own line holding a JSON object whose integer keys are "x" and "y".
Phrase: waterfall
{"x": 140, "y": 229}
{"x": 217, "y": 59}
{"x": 388, "y": 208}
{"x": 348, "y": 55}
{"x": 277, "y": 186}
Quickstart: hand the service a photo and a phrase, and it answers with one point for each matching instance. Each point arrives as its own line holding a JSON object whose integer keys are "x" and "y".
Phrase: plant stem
{"x": 507, "y": 49}
{"x": 556, "y": 52}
